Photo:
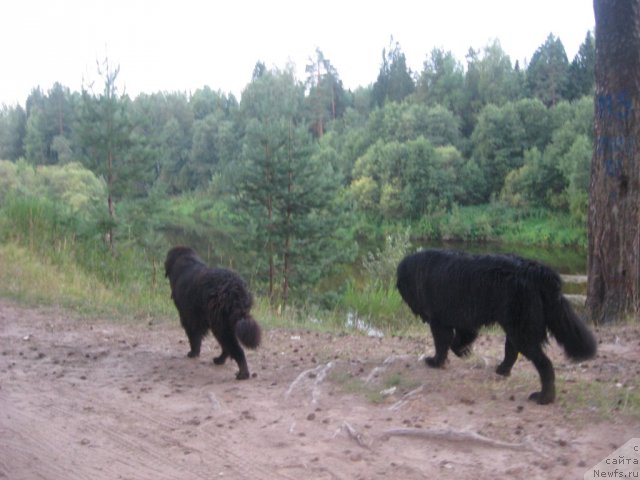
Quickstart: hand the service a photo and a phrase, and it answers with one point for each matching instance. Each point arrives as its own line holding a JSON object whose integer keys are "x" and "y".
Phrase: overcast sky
{"x": 183, "y": 45}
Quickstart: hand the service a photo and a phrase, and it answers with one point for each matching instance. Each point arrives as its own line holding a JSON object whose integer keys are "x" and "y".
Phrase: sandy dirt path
{"x": 95, "y": 399}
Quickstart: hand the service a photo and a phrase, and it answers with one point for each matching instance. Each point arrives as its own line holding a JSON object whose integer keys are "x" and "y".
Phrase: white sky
{"x": 183, "y": 45}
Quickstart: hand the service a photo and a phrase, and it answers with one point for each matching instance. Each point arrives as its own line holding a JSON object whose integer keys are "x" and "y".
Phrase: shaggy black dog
{"x": 457, "y": 293}
{"x": 212, "y": 298}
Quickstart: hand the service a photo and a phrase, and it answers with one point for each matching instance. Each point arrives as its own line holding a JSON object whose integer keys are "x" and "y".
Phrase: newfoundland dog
{"x": 212, "y": 298}
{"x": 457, "y": 293}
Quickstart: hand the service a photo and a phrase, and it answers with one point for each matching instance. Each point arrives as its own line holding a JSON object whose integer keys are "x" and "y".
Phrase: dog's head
{"x": 173, "y": 255}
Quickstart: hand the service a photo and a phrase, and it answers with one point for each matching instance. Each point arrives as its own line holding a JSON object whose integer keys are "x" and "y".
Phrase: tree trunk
{"x": 287, "y": 240}
{"x": 270, "y": 252}
{"x": 320, "y": 126}
{"x": 613, "y": 291}
{"x": 112, "y": 212}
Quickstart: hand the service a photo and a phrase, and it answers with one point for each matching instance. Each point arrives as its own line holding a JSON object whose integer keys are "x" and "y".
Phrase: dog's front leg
{"x": 442, "y": 337}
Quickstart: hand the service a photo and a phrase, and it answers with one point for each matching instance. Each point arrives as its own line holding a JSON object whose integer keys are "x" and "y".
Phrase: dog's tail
{"x": 570, "y": 331}
{"x": 249, "y": 332}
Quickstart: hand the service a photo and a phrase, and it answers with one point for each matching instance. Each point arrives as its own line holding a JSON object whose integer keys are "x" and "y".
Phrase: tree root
{"x": 353, "y": 435}
{"x": 388, "y": 361}
{"x": 454, "y": 436}
{"x": 310, "y": 378}
{"x": 405, "y": 398}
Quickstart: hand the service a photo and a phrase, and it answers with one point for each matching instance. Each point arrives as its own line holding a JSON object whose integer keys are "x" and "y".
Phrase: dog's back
{"x": 213, "y": 299}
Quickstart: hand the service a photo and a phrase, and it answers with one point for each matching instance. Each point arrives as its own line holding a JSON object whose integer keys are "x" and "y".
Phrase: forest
{"x": 299, "y": 180}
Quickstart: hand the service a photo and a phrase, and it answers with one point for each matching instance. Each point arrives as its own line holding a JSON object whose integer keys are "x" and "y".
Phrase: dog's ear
{"x": 169, "y": 261}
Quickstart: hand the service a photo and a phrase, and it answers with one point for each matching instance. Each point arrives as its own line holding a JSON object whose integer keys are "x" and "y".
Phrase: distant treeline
{"x": 296, "y": 166}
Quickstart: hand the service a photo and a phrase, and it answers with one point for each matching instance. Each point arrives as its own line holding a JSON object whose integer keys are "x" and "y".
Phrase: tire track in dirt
{"x": 114, "y": 428}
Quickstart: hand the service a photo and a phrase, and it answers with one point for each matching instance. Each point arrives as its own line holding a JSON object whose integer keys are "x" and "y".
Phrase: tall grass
{"x": 49, "y": 255}
{"x": 496, "y": 222}
{"x": 376, "y": 301}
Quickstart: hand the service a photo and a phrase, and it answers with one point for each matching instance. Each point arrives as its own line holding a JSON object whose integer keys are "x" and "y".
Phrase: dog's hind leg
{"x": 510, "y": 357}
{"x": 462, "y": 340}
{"x": 442, "y": 337}
{"x": 231, "y": 347}
{"x": 195, "y": 341}
{"x": 547, "y": 375}
{"x": 220, "y": 359}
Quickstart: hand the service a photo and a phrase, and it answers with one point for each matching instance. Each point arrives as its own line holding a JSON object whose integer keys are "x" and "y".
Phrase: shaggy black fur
{"x": 212, "y": 298}
{"x": 457, "y": 293}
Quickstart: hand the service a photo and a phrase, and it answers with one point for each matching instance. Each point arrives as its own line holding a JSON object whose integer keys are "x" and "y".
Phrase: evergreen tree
{"x": 50, "y": 119}
{"x": 442, "y": 82}
{"x": 326, "y": 97}
{"x": 490, "y": 79}
{"x": 105, "y": 129}
{"x": 395, "y": 81}
{"x": 283, "y": 191}
{"x": 581, "y": 71}
{"x": 13, "y": 124}
{"x": 548, "y": 72}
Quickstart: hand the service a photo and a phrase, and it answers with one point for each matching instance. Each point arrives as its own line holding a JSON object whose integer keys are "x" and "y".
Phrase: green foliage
{"x": 442, "y": 82}
{"x": 557, "y": 178}
{"x": 581, "y": 80}
{"x": 279, "y": 184}
{"x": 71, "y": 185}
{"x": 394, "y": 82}
{"x": 326, "y": 100}
{"x": 12, "y": 131}
{"x": 501, "y": 223}
{"x": 405, "y": 180}
{"x": 380, "y": 265}
{"x": 377, "y": 301}
{"x": 537, "y": 183}
{"x": 285, "y": 193}
{"x": 498, "y": 140}
{"x": 547, "y": 75}
{"x": 49, "y": 117}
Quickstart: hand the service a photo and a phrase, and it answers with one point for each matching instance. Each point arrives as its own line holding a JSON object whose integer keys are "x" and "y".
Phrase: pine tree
{"x": 104, "y": 131}
{"x": 283, "y": 192}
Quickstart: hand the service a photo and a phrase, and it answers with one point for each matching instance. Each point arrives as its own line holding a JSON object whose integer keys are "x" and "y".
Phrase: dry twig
{"x": 453, "y": 436}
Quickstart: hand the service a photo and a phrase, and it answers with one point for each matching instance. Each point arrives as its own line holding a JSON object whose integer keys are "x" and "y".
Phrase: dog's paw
{"x": 462, "y": 352}
{"x": 503, "y": 370}
{"x": 542, "y": 399}
{"x": 242, "y": 375}
{"x": 434, "y": 362}
{"x": 193, "y": 354}
{"x": 219, "y": 360}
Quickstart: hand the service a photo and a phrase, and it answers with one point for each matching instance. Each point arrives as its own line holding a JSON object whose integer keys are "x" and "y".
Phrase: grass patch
{"x": 607, "y": 400}
{"x": 308, "y": 317}
{"x": 497, "y": 222}
{"x": 350, "y": 384}
{"x": 35, "y": 280}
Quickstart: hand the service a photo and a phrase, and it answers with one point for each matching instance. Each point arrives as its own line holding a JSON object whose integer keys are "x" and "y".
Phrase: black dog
{"x": 457, "y": 293}
{"x": 212, "y": 298}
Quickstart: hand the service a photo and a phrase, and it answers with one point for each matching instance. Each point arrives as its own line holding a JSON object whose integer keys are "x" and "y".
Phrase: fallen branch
{"x": 405, "y": 398}
{"x": 314, "y": 376}
{"x": 388, "y": 361}
{"x": 353, "y": 434}
{"x": 215, "y": 403}
{"x": 454, "y": 436}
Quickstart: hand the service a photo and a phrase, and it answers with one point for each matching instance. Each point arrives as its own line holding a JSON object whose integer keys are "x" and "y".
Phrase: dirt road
{"x": 95, "y": 399}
